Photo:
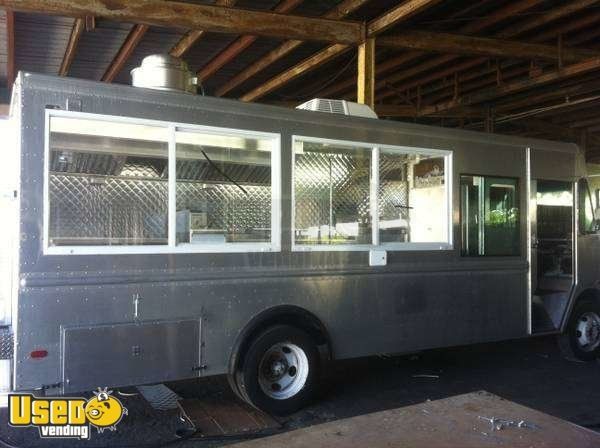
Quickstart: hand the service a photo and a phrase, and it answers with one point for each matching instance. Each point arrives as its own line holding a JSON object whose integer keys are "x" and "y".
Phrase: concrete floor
{"x": 529, "y": 372}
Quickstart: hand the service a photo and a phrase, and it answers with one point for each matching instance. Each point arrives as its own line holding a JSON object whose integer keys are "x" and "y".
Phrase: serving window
{"x": 118, "y": 185}
{"x": 356, "y": 196}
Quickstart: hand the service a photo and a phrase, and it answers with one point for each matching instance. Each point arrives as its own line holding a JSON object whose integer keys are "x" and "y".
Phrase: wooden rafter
{"x": 567, "y": 72}
{"x": 410, "y": 111}
{"x": 338, "y": 12}
{"x": 299, "y": 69}
{"x": 554, "y": 14}
{"x": 510, "y": 32}
{"x": 383, "y": 22}
{"x": 10, "y": 49}
{"x": 191, "y": 37}
{"x": 78, "y": 26}
{"x": 496, "y": 17}
{"x": 397, "y": 15}
{"x": 239, "y": 45}
{"x": 484, "y": 46}
{"x": 131, "y": 42}
{"x": 211, "y": 18}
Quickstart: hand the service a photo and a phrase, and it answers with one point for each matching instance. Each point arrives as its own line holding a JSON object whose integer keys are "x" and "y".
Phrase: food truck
{"x": 155, "y": 235}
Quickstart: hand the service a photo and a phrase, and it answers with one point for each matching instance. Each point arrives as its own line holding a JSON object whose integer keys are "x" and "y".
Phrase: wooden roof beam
{"x": 483, "y": 46}
{"x": 471, "y": 28}
{"x": 410, "y": 111}
{"x": 131, "y": 42}
{"x": 209, "y": 18}
{"x": 402, "y": 12}
{"x": 190, "y": 38}
{"x": 487, "y": 95}
{"x": 338, "y": 12}
{"x": 552, "y": 15}
{"x": 398, "y": 14}
{"x": 239, "y": 45}
{"x": 510, "y": 32}
{"x": 296, "y": 71}
{"x": 78, "y": 26}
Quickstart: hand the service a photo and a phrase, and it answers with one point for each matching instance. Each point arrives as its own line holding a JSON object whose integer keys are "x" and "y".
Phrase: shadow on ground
{"x": 530, "y": 372}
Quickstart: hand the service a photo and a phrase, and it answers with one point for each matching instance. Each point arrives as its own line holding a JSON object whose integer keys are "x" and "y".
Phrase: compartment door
{"x": 130, "y": 354}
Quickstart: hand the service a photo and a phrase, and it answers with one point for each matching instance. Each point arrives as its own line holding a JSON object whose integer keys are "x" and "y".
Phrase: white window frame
{"x": 171, "y": 247}
{"x": 374, "y": 188}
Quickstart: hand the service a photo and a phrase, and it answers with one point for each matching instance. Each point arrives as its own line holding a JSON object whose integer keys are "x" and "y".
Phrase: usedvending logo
{"x": 66, "y": 417}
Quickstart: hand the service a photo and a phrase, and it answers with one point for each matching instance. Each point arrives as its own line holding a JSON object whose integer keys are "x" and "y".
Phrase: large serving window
{"x": 124, "y": 185}
{"x": 353, "y": 196}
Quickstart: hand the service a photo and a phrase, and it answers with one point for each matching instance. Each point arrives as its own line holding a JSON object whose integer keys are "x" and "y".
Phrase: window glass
{"x": 586, "y": 209}
{"x": 489, "y": 216}
{"x": 223, "y": 188}
{"x": 107, "y": 183}
{"x": 332, "y": 193}
{"x": 412, "y": 198}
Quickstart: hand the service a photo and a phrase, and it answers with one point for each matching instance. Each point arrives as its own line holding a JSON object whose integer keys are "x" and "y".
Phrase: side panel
{"x": 364, "y": 313}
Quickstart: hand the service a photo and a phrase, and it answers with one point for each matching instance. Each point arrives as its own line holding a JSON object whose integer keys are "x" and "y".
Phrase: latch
{"x": 136, "y": 306}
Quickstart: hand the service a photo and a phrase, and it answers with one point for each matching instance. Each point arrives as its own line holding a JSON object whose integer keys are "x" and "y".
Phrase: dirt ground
{"x": 530, "y": 372}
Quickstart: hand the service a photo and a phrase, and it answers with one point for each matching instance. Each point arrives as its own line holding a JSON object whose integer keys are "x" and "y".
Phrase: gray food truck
{"x": 151, "y": 236}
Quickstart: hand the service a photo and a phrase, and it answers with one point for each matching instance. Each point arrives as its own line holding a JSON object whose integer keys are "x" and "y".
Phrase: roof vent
{"x": 341, "y": 107}
{"x": 164, "y": 72}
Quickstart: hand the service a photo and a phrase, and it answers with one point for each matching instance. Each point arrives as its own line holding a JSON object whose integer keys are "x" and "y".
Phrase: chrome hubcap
{"x": 283, "y": 371}
{"x": 588, "y": 331}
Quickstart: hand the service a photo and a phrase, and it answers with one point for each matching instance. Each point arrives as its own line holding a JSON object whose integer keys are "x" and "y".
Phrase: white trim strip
{"x": 172, "y": 188}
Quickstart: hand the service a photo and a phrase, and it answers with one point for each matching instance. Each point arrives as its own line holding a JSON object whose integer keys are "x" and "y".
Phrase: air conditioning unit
{"x": 341, "y": 107}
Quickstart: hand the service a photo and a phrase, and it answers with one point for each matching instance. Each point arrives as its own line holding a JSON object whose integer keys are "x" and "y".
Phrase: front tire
{"x": 582, "y": 338}
{"x": 279, "y": 372}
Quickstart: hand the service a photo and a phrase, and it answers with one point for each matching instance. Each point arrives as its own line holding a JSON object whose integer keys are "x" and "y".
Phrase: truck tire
{"x": 279, "y": 372}
{"x": 582, "y": 337}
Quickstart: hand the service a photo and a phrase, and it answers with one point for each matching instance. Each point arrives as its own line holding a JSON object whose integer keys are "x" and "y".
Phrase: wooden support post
{"x": 456, "y": 90}
{"x": 498, "y": 73}
{"x": 90, "y": 23}
{"x": 489, "y": 120}
{"x": 11, "y": 71}
{"x": 366, "y": 73}
{"x": 560, "y": 51}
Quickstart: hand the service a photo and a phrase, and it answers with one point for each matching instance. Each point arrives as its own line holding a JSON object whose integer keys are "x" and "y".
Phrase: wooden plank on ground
{"x": 461, "y": 421}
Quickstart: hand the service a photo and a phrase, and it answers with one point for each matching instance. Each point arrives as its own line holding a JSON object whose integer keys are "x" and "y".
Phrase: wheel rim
{"x": 587, "y": 331}
{"x": 283, "y": 371}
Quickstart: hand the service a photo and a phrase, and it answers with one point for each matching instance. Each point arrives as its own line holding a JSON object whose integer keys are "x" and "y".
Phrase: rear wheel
{"x": 279, "y": 372}
{"x": 582, "y": 338}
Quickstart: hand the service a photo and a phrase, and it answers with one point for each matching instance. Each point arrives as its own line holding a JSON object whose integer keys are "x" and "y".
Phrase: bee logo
{"x": 104, "y": 411}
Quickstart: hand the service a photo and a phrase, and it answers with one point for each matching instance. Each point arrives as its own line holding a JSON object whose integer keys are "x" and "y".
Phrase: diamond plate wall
{"x": 104, "y": 207}
{"x": 393, "y": 187}
{"x": 331, "y": 189}
{"x": 347, "y": 175}
{"x": 92, "y": 207}
{"x": 228, "y": 207}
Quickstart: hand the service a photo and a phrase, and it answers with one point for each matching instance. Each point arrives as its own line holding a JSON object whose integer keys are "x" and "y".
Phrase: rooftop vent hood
{"x": 164, "y": 72}
{"x": 341, "y": 107}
